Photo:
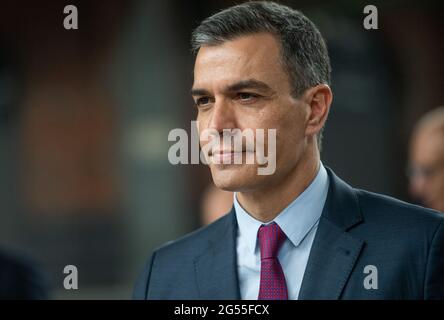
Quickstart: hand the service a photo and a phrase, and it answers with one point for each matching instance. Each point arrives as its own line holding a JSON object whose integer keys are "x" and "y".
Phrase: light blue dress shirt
{"x": 299, "y": 222}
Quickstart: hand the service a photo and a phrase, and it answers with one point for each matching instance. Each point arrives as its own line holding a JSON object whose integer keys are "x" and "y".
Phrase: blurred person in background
{"x": 214, "y": 204}
{"x": 426, "y": 163}
{"x": 20, "y": 279}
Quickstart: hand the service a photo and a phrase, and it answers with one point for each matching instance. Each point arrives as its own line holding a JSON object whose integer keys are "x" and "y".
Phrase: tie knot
{"x": 271, "y": 237}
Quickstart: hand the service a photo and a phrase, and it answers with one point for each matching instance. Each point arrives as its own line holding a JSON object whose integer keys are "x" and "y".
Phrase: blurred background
{"x": 85, "y": 115}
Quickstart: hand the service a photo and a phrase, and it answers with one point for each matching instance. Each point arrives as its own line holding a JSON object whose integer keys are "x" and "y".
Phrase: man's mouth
{"x": 226, "y": 156}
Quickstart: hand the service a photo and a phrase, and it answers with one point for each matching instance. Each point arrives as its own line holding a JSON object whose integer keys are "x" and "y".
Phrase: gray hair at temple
{"x": 304, "y": 52}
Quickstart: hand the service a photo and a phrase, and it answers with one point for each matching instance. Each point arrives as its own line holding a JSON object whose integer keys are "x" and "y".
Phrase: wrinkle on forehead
{"x": 254, "y": 56}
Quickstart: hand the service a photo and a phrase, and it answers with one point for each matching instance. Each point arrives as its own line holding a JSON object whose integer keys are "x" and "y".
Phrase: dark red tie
{"x": 272, "y": 286}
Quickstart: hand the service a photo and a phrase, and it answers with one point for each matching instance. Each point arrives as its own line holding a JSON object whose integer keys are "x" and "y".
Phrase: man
{"x": 426, "y": 171}
{"x": 301, "y": 232}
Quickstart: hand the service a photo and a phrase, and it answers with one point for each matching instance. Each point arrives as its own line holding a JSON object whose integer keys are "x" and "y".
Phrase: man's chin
{"x": 234, "y": 178}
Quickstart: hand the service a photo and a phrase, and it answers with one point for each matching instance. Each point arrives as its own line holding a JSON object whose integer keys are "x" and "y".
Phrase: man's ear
{"x": 318, "y": 99}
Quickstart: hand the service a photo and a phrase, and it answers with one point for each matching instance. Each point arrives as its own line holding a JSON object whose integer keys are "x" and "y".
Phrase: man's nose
{"x": 222, "y": 116}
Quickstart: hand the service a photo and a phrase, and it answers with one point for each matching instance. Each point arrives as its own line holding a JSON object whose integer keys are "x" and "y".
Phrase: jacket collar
{"x": 216, "y": 268}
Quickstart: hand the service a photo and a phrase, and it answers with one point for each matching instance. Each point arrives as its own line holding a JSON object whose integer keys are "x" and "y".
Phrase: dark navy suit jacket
{"x": 357, "y": 229}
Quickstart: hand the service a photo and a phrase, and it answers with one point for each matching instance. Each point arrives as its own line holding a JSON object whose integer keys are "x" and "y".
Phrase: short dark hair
{"x": 304, "y": 52}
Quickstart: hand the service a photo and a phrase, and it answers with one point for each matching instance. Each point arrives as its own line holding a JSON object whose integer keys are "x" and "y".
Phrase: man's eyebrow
{"x": 240, "y": 85}
{"x": 199, "y": 92}
{"x": 248, "y": 84}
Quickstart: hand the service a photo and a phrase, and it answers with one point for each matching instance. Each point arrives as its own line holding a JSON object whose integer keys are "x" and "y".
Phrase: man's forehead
{"x": 257, "y": 47}
{"x": 253, "y": 56}
{"x": 234, "y": 82}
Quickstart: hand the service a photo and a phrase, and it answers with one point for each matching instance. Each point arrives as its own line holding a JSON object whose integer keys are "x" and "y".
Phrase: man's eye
{"x": 203, "y": 101}
{"x": 247, "y": 97}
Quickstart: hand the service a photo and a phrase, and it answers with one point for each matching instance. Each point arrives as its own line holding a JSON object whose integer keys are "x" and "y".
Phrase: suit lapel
{"x": 332, "y": 257}
{"x": 334, "y": 251}
{"x": 216, "y": 269}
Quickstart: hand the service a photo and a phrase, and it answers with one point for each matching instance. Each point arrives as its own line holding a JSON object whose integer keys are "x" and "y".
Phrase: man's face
{"x": 241, "y": 84}
{"x": 427, "y": 165}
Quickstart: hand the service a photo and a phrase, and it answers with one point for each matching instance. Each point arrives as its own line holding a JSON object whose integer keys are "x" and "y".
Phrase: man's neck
{"x": 265, "y": 204}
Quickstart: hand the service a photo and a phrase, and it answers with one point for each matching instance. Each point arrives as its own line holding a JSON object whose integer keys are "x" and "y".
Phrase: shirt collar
{"x": 296, "y": 220}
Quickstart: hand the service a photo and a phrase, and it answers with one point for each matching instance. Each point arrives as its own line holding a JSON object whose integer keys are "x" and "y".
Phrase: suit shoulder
{"x": 388, "y": 209}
